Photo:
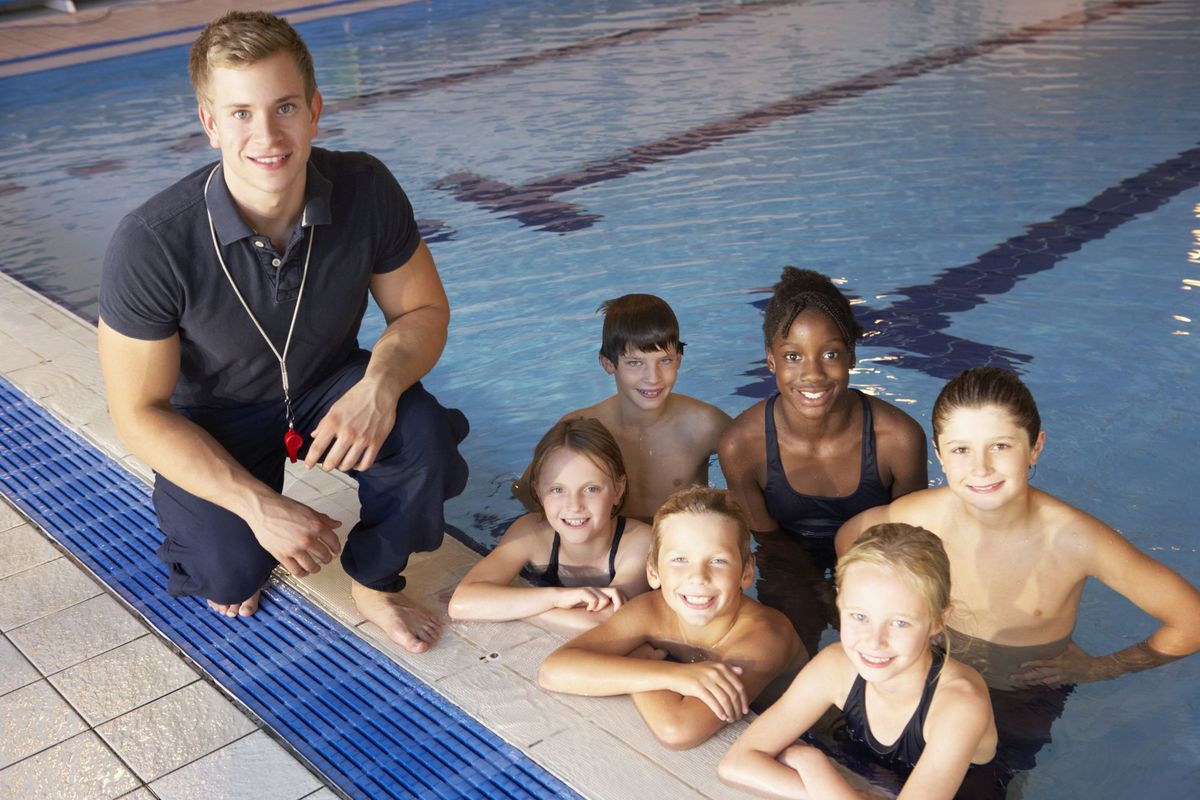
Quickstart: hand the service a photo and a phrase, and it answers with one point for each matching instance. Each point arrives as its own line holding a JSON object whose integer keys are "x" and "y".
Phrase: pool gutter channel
{"x": 77, "y": 489}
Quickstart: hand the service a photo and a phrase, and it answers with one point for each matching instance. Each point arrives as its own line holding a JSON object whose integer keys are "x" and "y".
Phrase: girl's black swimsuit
{"x": 550, "y": 576}
{"x": 813, "y": 515}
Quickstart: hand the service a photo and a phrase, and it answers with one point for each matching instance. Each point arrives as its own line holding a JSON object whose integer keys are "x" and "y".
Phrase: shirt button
{"x": 275, "y": 262}
{"x": 258, "y": 243}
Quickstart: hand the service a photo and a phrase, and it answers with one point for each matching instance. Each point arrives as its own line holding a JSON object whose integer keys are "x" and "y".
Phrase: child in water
{"x": 1020, "y": 559}
{"x": 1021, "y": 556}
{"x": 666, "y": 438}
{"x": 585, "y": 559}
{"x": 905, "y": 703}
{"x": 697, "y": 652}
{"x": 815, "y": 453}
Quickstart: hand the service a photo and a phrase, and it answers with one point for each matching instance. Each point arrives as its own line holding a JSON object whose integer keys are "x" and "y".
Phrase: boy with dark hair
{"x": 666, "y": 439}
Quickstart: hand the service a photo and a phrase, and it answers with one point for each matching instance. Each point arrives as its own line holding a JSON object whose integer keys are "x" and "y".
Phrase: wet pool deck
{"x": 94, "y": 704}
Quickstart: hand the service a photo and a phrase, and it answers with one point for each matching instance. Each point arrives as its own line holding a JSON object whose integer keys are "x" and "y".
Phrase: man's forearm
{"x": 188, "y": 456}
{"x": 409, "y": 347}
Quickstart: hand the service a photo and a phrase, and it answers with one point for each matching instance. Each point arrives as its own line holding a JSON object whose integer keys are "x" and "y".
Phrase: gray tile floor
{"x": 94, "y": 705}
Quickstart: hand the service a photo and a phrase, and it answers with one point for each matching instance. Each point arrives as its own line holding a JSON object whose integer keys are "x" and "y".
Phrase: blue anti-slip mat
{"x": 368, "y": 725}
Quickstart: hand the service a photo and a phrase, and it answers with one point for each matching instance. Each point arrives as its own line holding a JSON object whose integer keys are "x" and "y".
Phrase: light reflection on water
{"x": 885, "y": 192}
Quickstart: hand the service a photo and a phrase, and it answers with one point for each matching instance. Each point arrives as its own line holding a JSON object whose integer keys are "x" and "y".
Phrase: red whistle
{"x": 293, "y": 442}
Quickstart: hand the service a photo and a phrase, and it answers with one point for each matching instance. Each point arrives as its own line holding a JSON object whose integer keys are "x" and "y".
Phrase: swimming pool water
{"x": 885, "y": 189}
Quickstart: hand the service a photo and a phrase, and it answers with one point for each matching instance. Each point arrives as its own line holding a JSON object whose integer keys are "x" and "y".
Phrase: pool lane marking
{"x": 554, "y": 53}
{"x": 531, "y": 203}
{"x": 915, "y": 325}
{"x": 198, "y": 139}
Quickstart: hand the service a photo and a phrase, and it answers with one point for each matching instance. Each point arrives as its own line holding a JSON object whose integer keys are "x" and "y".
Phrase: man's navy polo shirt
{"x": 161, "y": 275}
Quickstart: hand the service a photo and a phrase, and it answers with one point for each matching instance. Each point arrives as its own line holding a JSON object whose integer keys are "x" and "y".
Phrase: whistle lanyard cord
{"x": 283, "y": 373}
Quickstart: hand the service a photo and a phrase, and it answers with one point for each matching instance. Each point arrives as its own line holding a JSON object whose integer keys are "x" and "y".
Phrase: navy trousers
{"x": 212, "y": 553}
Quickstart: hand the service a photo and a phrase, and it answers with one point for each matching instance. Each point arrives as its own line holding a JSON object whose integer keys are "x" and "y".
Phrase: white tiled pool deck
{"x": 94, "y": 704}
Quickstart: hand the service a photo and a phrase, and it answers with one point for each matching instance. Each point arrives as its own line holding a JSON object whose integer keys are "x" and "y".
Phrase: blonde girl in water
{"x": 1021, "y": 556}
{"x": 584, "y": 559}
{"x": 905, "y": 703}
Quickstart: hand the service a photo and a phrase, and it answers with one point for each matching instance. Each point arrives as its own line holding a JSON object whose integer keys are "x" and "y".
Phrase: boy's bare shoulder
{"x": 764, "y": 629}
{"x": 647, "y": 614}
{"x": 605, "y": 411}
{"x": 1071, "y": 530}
{"x": 698, "y": 412}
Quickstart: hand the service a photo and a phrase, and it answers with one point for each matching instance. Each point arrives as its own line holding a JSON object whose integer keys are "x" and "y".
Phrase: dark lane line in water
{"x": 915, "y": 325}
{"x": 530, "y": 203}
{"x": 554, "y": 53}
{"x": 197, "y": 140}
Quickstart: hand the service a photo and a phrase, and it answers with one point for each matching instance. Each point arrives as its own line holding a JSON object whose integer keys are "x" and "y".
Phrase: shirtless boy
{"x": 695, "y": 653}
{"x": 666, "y": 439}
{"x": 1020, "y": 558}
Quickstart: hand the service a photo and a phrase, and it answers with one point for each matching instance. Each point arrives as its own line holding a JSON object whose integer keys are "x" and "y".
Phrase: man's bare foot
{"x": 403, "y": 621}
{"x": 242, "y": 609}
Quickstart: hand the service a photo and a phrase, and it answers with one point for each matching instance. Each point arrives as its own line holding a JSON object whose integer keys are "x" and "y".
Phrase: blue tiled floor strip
{"x": 369, "y": 726}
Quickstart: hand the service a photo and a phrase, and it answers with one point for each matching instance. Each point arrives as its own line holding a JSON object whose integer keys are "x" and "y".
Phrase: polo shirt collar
{"x": 231, "y": 227}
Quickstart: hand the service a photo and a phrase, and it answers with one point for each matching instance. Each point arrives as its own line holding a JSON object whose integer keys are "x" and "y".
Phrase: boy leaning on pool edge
{"x": 694, "y": 653}
{"x": 666, "y": 438}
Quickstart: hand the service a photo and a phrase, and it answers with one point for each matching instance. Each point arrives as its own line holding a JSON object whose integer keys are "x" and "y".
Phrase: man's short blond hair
{"x": 242, "y": 38}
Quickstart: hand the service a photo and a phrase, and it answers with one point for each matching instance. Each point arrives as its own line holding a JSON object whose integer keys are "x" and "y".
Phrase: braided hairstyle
{"x": 799, "y": 290}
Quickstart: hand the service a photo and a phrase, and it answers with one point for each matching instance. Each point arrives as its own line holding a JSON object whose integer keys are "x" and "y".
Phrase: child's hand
{"x": 717, "y": 685}
{"x": 589, "y": 598}
{"x": 1072, "y": 665}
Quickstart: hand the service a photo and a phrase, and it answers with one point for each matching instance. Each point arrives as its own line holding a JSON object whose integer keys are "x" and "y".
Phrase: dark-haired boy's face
{"x": 645, "y": 377}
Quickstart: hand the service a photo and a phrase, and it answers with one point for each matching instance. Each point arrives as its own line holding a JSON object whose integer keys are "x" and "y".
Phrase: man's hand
{"x": 589, "y": 598}
{"x": 352, "y": 431}
{"x": 717, "y": 685}
{"x": 296, "y": 535}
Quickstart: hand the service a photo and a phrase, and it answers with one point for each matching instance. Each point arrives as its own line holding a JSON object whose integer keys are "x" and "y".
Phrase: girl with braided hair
{"x": 816, "y": 453}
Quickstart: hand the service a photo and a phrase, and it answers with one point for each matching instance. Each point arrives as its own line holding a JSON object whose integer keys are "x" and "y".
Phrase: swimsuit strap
{"x": 911, "y": 742}
{"x": 612, "y": 551}
{"x": 931, "y": 682}
{"x": 774, "y": 462}
{"x": 551, "y": 576}
{"x": 868, "y": 440}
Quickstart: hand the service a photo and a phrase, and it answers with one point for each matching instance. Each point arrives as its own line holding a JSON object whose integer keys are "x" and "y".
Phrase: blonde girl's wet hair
{"x": 588, "y": 438}
{"x": 701, "y": 500}
{"x": 907, "y": 549}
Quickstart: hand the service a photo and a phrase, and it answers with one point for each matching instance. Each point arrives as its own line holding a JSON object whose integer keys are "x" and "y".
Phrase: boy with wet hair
{"x": 666, "y": 439}
{"x": 695, "y": 653}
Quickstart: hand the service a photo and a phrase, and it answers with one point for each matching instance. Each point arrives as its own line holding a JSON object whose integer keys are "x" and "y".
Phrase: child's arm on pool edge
{"x": 597, "y": 664}
{"x": 485, "y": 593}
{"x": 757, "y": 762}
